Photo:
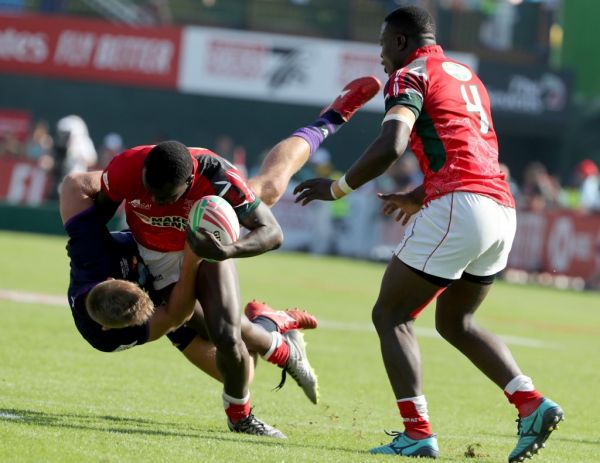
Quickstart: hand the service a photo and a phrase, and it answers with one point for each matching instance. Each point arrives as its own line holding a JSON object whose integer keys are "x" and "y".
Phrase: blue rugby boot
{"x": 405, "y": 446}
{"x": 534, "y": 429}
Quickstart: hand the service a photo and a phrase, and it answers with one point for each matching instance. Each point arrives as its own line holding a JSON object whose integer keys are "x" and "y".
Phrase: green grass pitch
{"x": 62, "y": 401}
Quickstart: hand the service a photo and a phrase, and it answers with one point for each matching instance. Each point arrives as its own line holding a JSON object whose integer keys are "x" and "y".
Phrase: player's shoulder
{"x": 450, "y": 68}
{"x": 132, "y": 156}
{"x": 137, "y": 151}
{"x": 201, "y": 151}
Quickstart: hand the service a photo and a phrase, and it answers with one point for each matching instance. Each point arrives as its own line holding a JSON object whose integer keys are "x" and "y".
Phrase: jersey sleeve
{"x": 407, "y": 87}
{"x": 119, "y": 177}
{"x": 229, "y": 183}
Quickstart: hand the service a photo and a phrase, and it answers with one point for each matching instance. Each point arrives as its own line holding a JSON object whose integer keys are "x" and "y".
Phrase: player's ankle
{"x": 333, "y": 117}
{"x": 417, "y": 435}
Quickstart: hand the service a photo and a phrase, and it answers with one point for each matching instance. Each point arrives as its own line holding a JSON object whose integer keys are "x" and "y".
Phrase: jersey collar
{"x": 426, "y": 50}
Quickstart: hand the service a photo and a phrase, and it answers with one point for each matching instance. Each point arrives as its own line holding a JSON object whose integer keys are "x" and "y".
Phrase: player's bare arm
{"x": 265, "y": 235}
{"x": 385, "y": 149}
{"x": 76, "y": 193}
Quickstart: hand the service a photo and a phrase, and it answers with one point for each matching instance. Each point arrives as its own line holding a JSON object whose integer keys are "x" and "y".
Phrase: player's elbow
{"x": 395, "y": 147}
{"x": 270, "y": 191}
{"x": 276, "y": 237}
{"x": 72, "y": 185}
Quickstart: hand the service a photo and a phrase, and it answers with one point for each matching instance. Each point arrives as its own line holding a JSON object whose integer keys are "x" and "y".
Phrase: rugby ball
{"x": 216, "y": 216}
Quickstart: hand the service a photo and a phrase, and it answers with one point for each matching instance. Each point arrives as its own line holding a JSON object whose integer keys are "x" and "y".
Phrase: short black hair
{"x": 168, "y": 162}
{"x": 412, "y": 20}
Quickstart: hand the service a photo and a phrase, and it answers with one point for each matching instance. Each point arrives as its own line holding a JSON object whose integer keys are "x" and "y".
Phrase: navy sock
{"x": 266, "y": 323}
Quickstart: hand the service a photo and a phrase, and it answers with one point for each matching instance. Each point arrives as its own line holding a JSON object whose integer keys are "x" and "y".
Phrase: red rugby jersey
{"x": 453, "y": 137}
{"x": 162, "y": 228}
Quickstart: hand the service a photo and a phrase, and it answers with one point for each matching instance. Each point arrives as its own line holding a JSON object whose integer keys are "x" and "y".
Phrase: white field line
{"x": 47, "y": 299}
{"x": 431, "y": 333}
{"x": 33, "y": 298}
{"x": 9, "y": 416}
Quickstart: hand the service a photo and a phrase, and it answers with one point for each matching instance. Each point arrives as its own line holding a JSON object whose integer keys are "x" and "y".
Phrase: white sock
{"x": 275, "y": 343}
{"x": 227, "y": 399}
{"x": 519, "y": 383}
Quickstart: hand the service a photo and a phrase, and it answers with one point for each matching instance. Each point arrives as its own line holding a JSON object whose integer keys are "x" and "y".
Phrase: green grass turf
{"x": 61, "y": 401}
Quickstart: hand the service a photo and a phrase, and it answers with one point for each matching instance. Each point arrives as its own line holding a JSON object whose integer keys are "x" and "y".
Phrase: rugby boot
{"x": 354, "y": 96}
{"x": 252, "y": 425}
{"x": 286, "y": 320}
{"x": 405, "y": 446}
{"x": 534, "y": 430}
{"x": 298, "y": 366}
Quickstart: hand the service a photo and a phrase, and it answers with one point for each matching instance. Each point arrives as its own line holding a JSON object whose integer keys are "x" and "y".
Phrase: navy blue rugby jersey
{"x": 97, "y": 254}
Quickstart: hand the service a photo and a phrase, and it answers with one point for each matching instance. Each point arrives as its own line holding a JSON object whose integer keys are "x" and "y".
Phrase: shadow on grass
{"x": 125, "y": 425}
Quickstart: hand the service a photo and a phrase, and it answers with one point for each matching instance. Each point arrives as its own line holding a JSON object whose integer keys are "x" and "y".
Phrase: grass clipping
{"x": 473, "y": 451}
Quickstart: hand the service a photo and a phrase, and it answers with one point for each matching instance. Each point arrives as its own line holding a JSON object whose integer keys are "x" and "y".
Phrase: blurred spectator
{"x": 226, "y": 147}
{"x": 11, "y": 146}
{"x": 588, "y": 180}
{"x": 12, "y": 5}
{"x": 111, "y": 146}
{"x": 156, "y": 12}
{"x": 539, "y": 190}
{"x": 39, "y": 143}
{"x": 73, "y": 151}
{"x": 497, "y": 31}
{"x": 52, "y": 6}
{"x": 514, "y": 188}
{"x": 405, "y": 173}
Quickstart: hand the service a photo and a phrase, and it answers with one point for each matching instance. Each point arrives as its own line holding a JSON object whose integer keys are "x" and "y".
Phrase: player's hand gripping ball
{"x": 215, "y": 215}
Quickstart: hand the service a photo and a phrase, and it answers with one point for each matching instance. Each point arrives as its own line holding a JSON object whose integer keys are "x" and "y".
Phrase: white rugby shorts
{"x": 459, "y": 232}
{"x": 165, "y": 267}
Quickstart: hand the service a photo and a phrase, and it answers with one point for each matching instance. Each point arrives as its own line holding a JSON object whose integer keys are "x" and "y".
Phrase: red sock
{"x": 522, "y": 394}
{"x": 279, "y": 352}
{"x": 415, "y": 416}
{"x": 236, "y": 409}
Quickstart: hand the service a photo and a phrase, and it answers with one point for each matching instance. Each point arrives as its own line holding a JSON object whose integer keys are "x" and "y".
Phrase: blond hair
{"x": 119, "y": 303}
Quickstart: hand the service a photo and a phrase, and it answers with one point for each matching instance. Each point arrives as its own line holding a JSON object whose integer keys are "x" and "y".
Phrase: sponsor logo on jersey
{"x": 124, "y": 268}
{"x": 169, "y": 221}
{"x": 138, "y": 204}
{"x": 458, "y": 71}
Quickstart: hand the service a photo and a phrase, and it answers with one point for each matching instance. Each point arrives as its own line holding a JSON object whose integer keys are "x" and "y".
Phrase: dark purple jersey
{"x": 96, "y": 255}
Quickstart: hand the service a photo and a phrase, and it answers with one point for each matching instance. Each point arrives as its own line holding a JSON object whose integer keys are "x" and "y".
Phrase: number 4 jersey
{"x": 453, "y": 136}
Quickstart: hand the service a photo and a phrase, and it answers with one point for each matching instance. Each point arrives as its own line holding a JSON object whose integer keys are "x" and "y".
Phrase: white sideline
{"x": 431, "y": 333}
{"x": 47, "y": 299}
{"x": 32, "y": 298}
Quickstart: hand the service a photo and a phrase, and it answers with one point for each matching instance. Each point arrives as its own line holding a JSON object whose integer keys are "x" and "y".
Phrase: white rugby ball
{"x": 217, "y": 216}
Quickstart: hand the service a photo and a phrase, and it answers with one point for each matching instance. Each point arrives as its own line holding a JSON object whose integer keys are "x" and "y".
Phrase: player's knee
{"x": 452, "y": 329}
{"x": 380, "y": 316}
{"x": 228, "y": 343}
{"x": 270, "y": 192}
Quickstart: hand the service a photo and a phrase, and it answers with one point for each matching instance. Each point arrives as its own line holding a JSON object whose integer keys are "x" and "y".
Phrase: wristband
{"x": 400, "y": 118}
{"x": 343, "y": 185}
{"x": 335, "y": 195}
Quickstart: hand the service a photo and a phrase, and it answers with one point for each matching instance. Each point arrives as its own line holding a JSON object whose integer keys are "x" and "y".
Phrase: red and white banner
{"x": 559, "y": 243}
{"x": 282, "y": 68}
{"x": 86, "y": 49}
{"x": 16, "y": 123}
{"x": 22, "y": 182}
